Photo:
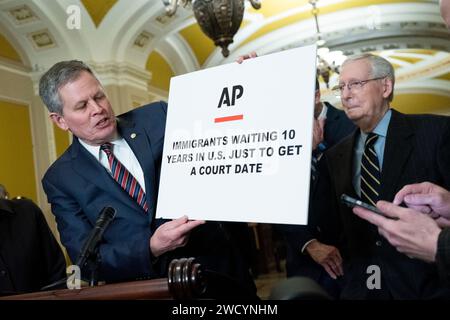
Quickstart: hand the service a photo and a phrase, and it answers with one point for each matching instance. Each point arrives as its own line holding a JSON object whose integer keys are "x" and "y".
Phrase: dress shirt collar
{"x": 382, "y": 126}
{"x": 95, "y": 150}
{"x": 380, "y": 129}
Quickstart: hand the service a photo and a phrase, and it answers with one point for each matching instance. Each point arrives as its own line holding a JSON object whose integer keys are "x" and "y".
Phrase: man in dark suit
{"x": 116, "y": 162}
{"x": 306, "y": 256}
{"x": 331, "y": 126}
{"x": 30, "y": 257}
{"x": 388, "y": 151}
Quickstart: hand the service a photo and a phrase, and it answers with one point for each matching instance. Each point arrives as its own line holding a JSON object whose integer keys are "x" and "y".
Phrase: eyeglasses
{"x": 352, "y": 86}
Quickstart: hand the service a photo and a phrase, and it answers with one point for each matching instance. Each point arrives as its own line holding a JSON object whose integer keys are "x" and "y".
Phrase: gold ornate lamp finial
{"x": 218, "y": 19}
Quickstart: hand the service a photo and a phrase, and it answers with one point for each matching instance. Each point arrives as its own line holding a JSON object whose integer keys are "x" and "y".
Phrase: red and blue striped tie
{"x": 124, "y": 177}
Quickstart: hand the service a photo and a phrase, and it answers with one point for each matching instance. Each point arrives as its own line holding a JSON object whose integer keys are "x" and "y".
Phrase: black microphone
{"x": 91, "y": 244}
{"x": 93, "y": 240}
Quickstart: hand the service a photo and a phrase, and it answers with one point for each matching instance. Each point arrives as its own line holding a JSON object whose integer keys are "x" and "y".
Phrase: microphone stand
{"x": 93, "y": 264}
{"x": 56, "y": 285}
{"x": 89, "y": 255}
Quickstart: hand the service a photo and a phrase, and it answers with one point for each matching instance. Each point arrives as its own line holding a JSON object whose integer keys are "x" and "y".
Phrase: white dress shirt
{"x": 123, "y": 153}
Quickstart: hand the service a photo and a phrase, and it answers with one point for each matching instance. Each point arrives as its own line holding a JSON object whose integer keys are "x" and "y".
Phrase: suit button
{"x": 378, "y": 243}
{"x": 3, "y": 273}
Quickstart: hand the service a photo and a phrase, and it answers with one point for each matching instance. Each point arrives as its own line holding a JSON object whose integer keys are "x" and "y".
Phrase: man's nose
{"x": 345, "y": 92}
{"x": 95, "y": 107}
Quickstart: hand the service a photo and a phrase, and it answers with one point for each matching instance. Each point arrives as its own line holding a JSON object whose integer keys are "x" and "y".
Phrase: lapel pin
{"x": 133, "y": 135}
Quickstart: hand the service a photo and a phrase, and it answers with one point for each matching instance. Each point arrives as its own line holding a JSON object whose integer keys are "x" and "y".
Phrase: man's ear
{"x": 388, "y": 87}
{"x": 59, "y": 120}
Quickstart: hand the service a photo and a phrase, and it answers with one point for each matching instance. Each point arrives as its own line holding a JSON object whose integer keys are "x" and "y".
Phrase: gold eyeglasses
{"x": 352, "y": 86}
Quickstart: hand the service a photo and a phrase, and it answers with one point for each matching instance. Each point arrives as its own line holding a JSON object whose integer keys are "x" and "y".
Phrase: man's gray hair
{"x": 380, "y": 67}
{"x": 56, "y": 77}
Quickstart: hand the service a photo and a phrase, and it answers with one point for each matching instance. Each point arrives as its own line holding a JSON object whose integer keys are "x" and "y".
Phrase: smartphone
{"x": 352, "y": 202}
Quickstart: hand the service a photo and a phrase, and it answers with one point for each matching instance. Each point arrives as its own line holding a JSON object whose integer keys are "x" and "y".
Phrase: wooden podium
{"x": 185, "y": 281}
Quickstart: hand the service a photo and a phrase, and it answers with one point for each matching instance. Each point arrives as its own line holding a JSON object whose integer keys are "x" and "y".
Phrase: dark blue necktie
{"x": 370, "y": 171}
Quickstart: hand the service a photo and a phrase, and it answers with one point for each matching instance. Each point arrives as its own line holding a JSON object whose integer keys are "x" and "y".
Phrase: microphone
{"x": 93, "y": 240}
{"x": 91, "y": 244}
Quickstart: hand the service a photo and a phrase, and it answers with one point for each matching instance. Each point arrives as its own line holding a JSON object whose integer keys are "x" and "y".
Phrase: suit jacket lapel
{"x": 341, "y": 164}
{"x": 137, "y": 139}
{"x": 88, "y": 167}
{"x": 398, "y": 148}
{"x": 332, "y": 113}
{"x": 332, "y": 117}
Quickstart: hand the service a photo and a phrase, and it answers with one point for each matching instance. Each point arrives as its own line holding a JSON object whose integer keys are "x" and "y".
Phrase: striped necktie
{"x": 370, "y": 171}
{"x": 124, "y": 177}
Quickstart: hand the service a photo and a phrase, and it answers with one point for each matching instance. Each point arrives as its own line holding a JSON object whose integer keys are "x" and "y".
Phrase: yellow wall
{"x": 161, "y": 71}
{"x": 98, "y": 9}
{"x": 421, "y": 103}
{"x": 269, "y": 8}
{"x": 62, "y": 140}
{"x": 7, "y": 50}
{"x": 199, "y": 42}
{"x": 17, "y": 172}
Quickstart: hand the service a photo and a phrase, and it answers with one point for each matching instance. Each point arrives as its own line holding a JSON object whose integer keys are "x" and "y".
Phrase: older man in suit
{"x": 331, "y": 125}
{"x": 388, "y": 151}
{"x": 115, "y": 161}
{"x": 30, "y": 257}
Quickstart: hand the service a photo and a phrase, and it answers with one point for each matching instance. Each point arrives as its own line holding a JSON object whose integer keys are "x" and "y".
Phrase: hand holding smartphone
{"x": 352, "y": 202}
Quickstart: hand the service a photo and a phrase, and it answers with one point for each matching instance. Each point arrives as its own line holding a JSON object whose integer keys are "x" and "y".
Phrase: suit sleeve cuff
{"x": 306, "y": 244}
{"x": 443, "y": 255}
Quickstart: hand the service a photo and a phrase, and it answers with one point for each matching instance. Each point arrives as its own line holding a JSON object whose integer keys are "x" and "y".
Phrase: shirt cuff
{"x": 306, "y": 244}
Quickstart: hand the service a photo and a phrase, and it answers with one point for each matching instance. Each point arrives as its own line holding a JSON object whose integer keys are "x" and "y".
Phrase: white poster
{"x": 238, "y": 141}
